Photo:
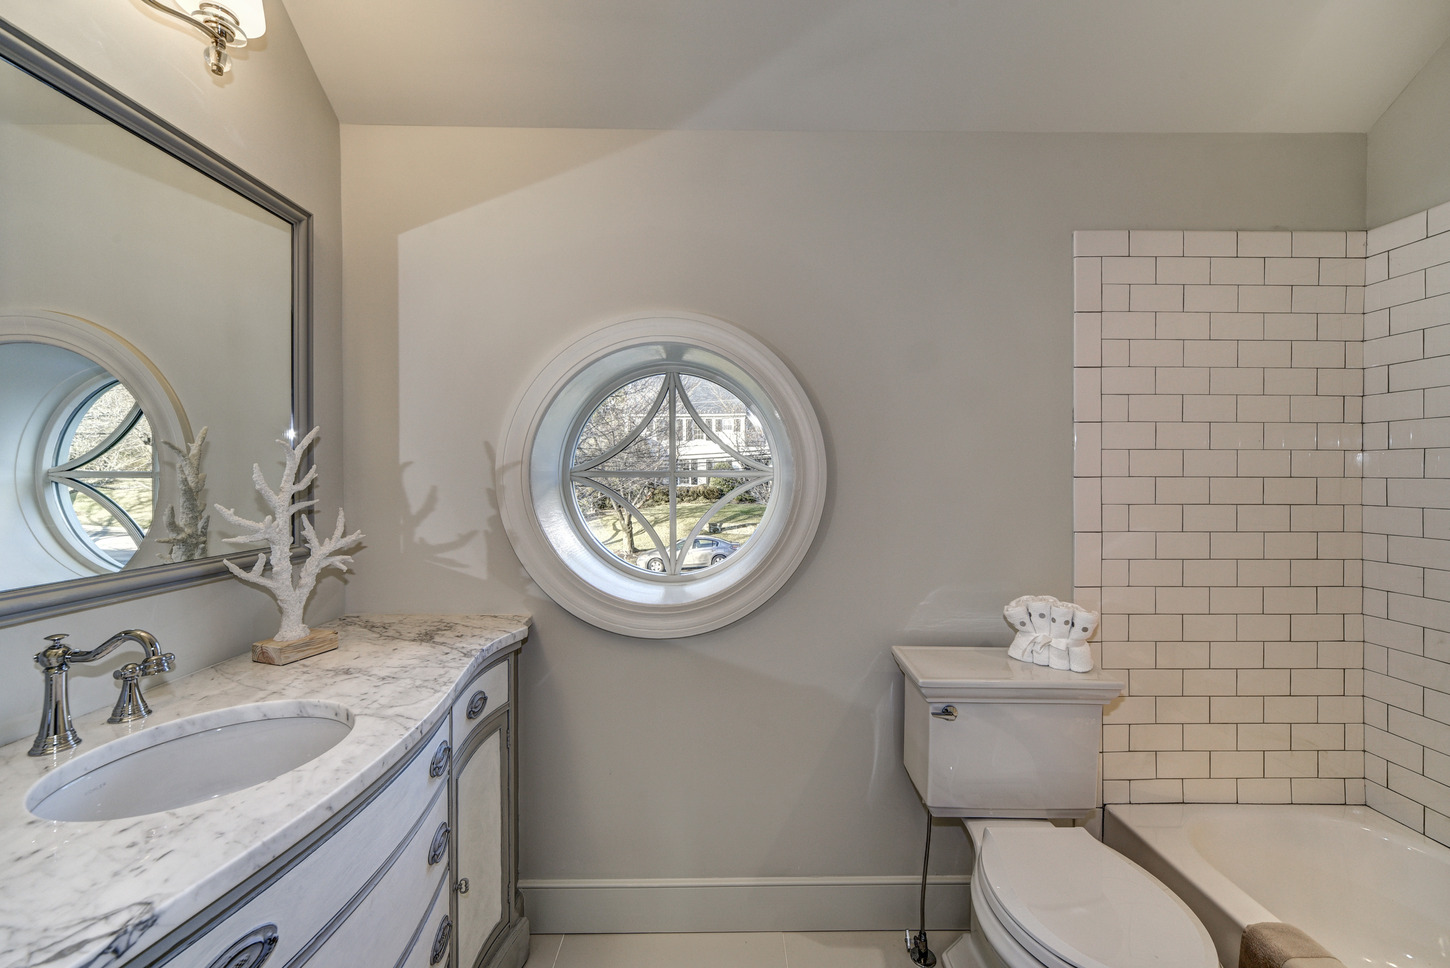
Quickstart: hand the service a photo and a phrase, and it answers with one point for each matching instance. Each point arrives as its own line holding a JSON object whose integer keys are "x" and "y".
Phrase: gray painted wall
{"x": 1409, "y": 147}
{"x": 270, "y": 117}
{"x": 920, "y": 286}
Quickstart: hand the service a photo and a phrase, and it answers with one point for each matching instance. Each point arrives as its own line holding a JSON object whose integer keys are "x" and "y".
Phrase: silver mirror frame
{"x": 50, "y": 68}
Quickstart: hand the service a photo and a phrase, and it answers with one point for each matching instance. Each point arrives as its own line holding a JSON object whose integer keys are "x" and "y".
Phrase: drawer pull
{"x": 439, "y": 848}
{"x": 440, "y": 940}
{"x": 251, "y": 950}
{"x": 949, "y": 713}
{"x": 476, "y": 703}
{"x": 439, "y": 766}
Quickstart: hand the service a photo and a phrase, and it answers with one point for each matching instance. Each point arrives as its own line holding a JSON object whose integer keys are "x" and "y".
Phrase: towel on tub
{"x": 1274, "y": 944}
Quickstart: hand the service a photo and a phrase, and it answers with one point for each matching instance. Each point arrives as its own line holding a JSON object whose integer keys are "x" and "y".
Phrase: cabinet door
{"x": 480, "y": 838}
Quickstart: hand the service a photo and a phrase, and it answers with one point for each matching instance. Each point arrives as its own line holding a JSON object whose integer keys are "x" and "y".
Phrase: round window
{"x": 663, "y": 477}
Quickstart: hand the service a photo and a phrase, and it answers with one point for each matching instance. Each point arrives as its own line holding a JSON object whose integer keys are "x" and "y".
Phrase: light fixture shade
{"x": 250, "y": 16}
{"x": 226, "y": 24}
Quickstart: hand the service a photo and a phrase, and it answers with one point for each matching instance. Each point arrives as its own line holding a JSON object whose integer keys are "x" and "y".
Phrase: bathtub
{"x": 1372, "y": 891}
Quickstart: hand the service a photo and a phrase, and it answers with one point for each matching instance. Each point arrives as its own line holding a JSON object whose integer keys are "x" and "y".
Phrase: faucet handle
{"x": 159, "y": 663}
{"x": 130, "y": 704}
{"x": 54, "y": 655}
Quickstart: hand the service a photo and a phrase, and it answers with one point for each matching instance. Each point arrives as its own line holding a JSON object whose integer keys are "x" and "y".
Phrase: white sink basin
{"x": 190, "y": 760}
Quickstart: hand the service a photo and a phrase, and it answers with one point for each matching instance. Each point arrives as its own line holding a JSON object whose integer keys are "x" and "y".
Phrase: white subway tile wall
{"x": 1406, "y": 522}
{"x": 1262, "y": 512}
{"x": 1218, "y": 509}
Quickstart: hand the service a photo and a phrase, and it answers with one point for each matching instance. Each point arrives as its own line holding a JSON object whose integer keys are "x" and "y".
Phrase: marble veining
{"x": 85, "y": 894}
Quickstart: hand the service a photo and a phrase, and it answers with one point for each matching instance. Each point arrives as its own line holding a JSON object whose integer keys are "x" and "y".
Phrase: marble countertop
{"x": 72, "y": 893}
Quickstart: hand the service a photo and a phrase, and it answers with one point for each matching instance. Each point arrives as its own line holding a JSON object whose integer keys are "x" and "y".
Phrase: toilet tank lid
{"x": 984, "y": 674}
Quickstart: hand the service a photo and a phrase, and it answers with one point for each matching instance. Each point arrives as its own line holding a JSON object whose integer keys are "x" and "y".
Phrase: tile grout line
{"x": 559, "y": 951}
{"x": 784, "y": 950}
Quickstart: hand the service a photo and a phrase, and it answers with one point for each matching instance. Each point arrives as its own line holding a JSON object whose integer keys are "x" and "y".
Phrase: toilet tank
{"x": 1023, "y": 741}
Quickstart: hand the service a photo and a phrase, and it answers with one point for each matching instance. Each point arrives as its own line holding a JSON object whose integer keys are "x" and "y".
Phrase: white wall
{"x": 1409, "y": 147}
{"x": 30, "y": 375}
{"x": 920, "y": 286}
{"x": 270, "y": 117}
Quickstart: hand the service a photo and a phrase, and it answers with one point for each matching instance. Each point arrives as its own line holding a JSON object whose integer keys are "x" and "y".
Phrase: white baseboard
{"x": 652, "y": 905}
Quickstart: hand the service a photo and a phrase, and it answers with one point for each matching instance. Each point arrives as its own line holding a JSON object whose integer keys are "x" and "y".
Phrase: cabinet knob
{"x": 476, "y": 702}
{"x": 462, "y": 886}
{"x": 439, "y": 766}
{"x": 251, "y": 950}
{"x": 440, "y": 940}
{"x": 439, "y": 847}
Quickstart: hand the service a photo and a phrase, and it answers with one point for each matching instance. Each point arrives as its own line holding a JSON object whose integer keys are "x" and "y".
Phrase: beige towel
{"x": 1274, "y": 944}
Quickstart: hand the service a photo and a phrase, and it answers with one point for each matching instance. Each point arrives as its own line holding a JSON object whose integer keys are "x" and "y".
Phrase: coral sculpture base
{"x": 272, "y": 652}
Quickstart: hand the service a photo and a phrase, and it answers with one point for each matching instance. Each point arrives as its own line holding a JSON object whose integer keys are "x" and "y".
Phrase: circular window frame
{"x": 538, "y": 448}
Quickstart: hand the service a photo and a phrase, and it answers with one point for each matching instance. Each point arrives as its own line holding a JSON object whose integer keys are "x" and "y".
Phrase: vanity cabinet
{"x": 418, "y": 872}
{"x": 315, "y": 906}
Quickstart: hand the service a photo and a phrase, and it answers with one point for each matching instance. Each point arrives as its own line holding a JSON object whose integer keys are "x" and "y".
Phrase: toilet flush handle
{"x": 946, "y": 712}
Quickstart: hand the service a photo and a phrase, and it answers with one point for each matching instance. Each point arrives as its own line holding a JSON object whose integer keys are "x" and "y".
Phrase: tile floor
{"x": 823, "y": 949}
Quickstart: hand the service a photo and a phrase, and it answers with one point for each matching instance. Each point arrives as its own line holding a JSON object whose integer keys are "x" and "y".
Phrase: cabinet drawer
{"x": 308, "y": 896}
{"x": 484, "y": 696}
{"x": 379, "y": 929}
{"x": 435, "y": 935}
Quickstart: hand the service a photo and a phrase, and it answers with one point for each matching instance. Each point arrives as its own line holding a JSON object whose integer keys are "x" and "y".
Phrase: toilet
{"x": 1010, "y": 747}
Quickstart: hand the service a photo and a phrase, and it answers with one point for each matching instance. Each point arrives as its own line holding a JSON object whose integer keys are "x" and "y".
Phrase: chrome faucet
{"x": 56, "y": 732}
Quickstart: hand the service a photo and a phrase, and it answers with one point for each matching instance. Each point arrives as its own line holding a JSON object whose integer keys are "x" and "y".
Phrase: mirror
{"x": 153, "y": 329}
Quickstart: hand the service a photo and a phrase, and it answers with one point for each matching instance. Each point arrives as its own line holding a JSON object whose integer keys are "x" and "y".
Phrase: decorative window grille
{"x": 629, "y": 479}
{"x": 105, "y": 473}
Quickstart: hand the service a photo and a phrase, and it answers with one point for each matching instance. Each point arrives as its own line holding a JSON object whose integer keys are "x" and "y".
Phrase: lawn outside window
{"x": 663, "y": 476}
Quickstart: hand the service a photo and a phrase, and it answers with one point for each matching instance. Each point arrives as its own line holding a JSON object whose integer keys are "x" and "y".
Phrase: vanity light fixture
{"x": 227, "y": 25}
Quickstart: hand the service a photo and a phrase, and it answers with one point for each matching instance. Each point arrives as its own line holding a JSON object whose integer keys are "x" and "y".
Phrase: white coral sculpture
{"x": 276, "y": 530}
{"x": 187, "y": 523}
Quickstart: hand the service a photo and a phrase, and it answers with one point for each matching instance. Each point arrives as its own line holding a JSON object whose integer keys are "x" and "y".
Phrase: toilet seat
{"x": 1068, "y": 901}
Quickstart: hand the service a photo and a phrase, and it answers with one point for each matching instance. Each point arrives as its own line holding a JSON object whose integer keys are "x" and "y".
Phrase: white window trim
{"x": 534, "y": 464}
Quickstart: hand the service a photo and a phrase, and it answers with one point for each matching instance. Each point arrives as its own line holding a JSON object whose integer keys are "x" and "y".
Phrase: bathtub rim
{"x": 1220, "y": 904}
{"x": 1153, "y": 836}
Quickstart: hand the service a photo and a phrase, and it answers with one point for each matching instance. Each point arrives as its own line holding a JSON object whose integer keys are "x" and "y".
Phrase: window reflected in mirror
{"x": 85, "y": 472}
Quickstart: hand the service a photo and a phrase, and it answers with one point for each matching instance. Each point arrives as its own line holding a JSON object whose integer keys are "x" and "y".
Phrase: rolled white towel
{"x": 1019, "y": 616}
{"x": 1061, "y": 616}
{"x": 1079, "y": 653}
{"x": 1041, "y": 612}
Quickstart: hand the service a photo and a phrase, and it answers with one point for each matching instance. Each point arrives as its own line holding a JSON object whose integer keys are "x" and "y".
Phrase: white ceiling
{"x": 886, "y": 65}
